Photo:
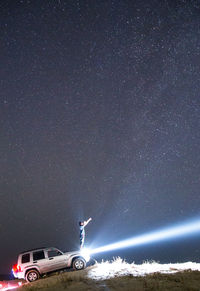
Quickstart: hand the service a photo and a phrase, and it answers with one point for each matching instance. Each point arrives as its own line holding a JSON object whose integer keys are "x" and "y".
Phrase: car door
{"x": 56, "y": 259}
{"x": 41, "y": 261}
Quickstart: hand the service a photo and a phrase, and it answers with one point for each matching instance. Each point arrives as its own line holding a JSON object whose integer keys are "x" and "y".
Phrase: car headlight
{"x": 85, "y": 254}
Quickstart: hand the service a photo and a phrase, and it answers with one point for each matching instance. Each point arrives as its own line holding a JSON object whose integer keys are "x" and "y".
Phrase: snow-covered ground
{"x": 118, "y": 267}
{"x": 113, "y": 269}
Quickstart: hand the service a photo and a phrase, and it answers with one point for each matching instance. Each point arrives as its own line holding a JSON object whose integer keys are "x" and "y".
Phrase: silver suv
{"x": 32, "y": 264}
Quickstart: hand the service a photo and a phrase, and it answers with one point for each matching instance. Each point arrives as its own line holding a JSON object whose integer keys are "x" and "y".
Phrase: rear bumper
{"x": 18, "y": 275}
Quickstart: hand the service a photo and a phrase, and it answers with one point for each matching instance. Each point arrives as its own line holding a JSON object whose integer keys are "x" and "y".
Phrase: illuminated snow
{"x": 118, "y": 267}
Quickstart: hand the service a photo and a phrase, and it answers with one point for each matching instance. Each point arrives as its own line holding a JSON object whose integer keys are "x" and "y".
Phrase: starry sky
{"x": 100, "y": 117}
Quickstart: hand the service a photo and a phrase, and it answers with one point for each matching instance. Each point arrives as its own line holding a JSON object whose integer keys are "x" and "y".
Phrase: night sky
{"x": 100, "y": 117}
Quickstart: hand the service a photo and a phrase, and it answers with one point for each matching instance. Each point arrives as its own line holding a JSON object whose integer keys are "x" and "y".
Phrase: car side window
{"x": 38, "y": 255}
{"x": 54, "y": 253}
{"x": 25, "y": 258}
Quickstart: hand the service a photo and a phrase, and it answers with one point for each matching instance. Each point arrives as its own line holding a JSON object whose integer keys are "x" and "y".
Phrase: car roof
{"x": 36, "y": 249}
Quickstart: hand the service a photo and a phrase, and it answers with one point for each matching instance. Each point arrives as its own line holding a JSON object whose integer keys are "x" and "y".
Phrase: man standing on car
{"x": 82, "y": 225}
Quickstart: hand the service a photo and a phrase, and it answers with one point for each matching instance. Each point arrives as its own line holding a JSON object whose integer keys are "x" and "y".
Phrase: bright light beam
{"x": 160, "y": 235}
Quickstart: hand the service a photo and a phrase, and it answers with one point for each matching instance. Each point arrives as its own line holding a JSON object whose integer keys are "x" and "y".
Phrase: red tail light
{"x": 19, "y": 268}
{"x": 16, "y": 268}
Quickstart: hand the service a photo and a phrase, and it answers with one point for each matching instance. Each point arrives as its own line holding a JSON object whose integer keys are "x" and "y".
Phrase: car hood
{"x": 83, "y": 254}
{"x": 72, "y": 253}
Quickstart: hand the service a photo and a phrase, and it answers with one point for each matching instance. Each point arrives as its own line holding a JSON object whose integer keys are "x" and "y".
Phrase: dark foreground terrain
{"x": 188, "y": 280}
{"x": 119, "y": 275}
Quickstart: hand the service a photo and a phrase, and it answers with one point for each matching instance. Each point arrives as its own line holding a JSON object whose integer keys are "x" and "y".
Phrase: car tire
{"x": 32, "y": 275}
{"x": 79, "y": 264}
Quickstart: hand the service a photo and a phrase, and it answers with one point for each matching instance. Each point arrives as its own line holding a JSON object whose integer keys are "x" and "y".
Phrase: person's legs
{"x": 81, "y": 242}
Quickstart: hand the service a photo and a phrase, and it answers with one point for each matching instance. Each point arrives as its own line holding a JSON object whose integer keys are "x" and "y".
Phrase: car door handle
{"x": 34, "y": 262}
{"x": 50, "y": 258}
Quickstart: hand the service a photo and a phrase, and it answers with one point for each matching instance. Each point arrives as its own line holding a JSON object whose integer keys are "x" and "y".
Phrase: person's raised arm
{"x": 86, "y": 222}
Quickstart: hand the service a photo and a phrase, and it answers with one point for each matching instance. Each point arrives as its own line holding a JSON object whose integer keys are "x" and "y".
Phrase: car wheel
{"x": 32, "y": 275}
{"x": 79, "y": 264}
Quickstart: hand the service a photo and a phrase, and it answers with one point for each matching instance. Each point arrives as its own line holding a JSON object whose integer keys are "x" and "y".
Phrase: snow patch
{"x": 118, "y": 267}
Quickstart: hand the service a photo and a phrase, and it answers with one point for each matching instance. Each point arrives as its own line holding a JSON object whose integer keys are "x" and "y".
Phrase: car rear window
{"x": 25, "y": 258}
{"x": 38, "y": 255}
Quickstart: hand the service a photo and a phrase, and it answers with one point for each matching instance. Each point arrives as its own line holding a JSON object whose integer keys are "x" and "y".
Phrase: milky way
{"x": 99, "y": 116}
